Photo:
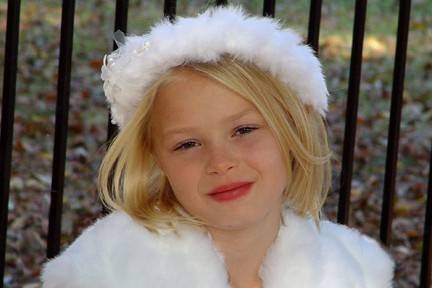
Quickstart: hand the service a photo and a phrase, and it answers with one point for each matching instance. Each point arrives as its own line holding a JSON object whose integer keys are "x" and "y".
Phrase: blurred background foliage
{"x": 94, "y": 21}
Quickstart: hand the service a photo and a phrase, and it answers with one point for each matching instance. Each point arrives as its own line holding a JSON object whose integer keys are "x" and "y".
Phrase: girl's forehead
{"x": 184, "y": 73}
{"x": 194, "y": 93}
{"x": 204, "y": 102}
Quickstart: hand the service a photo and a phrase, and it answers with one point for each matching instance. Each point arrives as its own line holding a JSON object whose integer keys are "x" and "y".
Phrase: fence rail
{"x": 121, "y": 19}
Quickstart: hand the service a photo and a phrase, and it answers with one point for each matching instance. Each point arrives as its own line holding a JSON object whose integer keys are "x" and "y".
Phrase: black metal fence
{"x": 62, "y": 108}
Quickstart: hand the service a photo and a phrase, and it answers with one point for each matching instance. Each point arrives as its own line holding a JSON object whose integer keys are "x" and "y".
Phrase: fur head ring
{"x": 139, "y": 60}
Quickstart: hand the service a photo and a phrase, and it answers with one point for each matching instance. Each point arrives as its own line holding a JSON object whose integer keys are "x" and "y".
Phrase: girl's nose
{"x": 221, "y": 159}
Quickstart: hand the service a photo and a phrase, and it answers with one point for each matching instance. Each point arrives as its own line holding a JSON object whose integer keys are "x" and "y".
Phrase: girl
{"x": 220, "y": 169}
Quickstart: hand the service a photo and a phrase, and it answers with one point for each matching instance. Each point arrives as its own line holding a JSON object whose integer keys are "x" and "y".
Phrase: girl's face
{"x": 206, "y": 136}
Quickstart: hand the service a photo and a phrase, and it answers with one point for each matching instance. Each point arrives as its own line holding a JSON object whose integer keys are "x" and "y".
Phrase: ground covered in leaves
{"x": 35, "y": 114}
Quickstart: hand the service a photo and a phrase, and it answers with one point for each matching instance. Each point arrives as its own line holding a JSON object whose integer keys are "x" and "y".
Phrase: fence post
{"x": 8, "y": 110}
{"x": 61, "y": 126}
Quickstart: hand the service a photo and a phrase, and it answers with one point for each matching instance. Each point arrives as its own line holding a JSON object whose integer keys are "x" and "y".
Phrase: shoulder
{"x": 82, "y": 263}
{"x": 369, "y": 257}
{"x": 117, "y": 251}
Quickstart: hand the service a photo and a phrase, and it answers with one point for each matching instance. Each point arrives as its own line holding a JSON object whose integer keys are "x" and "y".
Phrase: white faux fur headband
{"x": 140, "y": 60}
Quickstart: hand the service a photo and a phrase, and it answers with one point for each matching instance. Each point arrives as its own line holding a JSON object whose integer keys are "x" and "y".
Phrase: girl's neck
{"x": 244, "y": 250}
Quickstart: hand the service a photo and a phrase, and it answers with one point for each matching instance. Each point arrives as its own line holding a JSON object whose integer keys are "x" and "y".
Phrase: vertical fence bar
{"x": 120, "y": 23}
{"x": 269, "y": 8}
{"x": 351, "y": 111}
{"x": 314, "y": 24}
{"x": 426, "y": 265}
{"x": 61, "y": 125}
{"x": 170, "y": 9}
{"x": 395, "y": 119}
{"x": 8, "y": 110}
{"x": 121, "y": 18}
{"x": 221, "y": 2}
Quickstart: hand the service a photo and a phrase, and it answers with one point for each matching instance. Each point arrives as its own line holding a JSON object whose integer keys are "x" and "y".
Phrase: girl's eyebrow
{"x": 178, "y": 130}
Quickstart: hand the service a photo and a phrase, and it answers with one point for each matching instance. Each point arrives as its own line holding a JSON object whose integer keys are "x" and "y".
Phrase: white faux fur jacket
{"x": 118, "y": 252}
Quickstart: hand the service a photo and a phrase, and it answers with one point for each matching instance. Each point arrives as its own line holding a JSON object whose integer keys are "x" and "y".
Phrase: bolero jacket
{"x": 116, "y": 251}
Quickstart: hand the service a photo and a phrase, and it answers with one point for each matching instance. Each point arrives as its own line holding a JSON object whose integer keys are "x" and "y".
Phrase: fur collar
{"x": 118, "y": 252}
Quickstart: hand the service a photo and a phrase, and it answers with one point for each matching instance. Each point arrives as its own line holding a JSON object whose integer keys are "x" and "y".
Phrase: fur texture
{"x": 140, "y": 60}
{"x": 118, "y": 252}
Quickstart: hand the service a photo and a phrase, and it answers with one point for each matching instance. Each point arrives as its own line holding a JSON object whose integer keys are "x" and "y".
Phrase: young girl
{"x": 220, "y": 169}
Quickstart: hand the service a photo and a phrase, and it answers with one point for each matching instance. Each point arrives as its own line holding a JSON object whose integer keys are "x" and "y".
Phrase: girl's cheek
{"x": 252, "y": 144}
{"x": 189, "y": 162}
{"x": 264, "y": 149}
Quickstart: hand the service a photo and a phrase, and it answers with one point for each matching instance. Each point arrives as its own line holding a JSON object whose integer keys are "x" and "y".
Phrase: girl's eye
{"x": 184, "y": 146}
{"x": 246, "y": 130}
{"x": 189, "y": 144}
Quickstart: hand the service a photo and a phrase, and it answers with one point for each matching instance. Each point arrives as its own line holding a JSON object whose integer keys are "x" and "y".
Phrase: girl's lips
{"x": 227, "y": 187}
{"x": 232, "y": 194}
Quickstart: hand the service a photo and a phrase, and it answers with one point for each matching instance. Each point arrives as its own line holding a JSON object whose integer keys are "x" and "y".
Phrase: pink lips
{"x": 231, "y": 191}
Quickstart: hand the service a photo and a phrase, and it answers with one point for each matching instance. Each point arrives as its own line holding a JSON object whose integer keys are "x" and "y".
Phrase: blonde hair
{"x": 130, "y": 179}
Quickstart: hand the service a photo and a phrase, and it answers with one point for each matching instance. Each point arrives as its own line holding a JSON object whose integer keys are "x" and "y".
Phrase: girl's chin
{"x": 242, "y": 219}
{"x": 230, "y": 225}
